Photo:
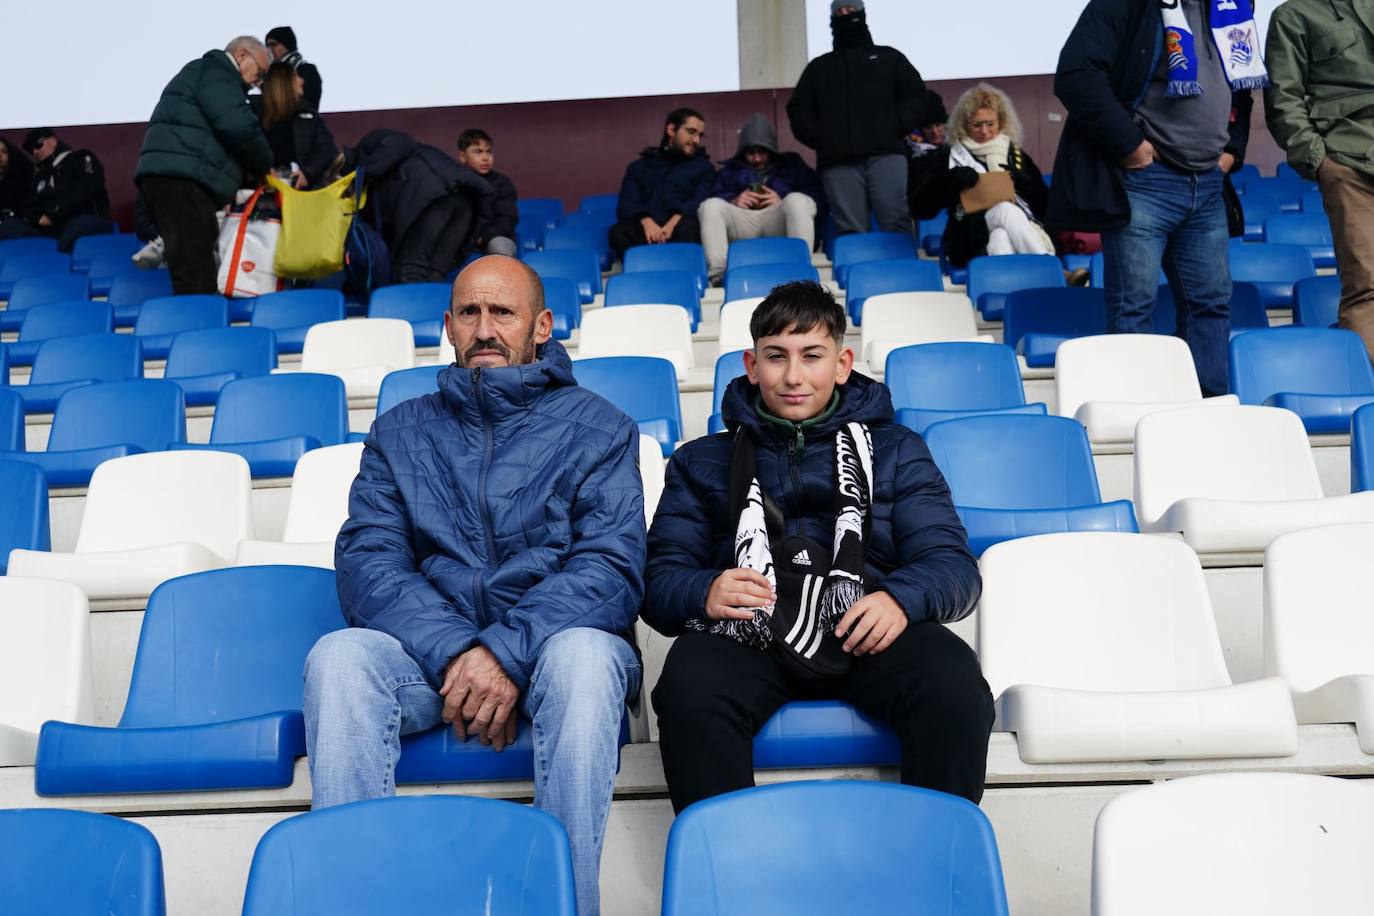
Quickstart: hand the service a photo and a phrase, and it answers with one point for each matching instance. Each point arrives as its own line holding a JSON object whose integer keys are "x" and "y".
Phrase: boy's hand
{"x": 735, "y": 591}
{"x": 871, "y": 624}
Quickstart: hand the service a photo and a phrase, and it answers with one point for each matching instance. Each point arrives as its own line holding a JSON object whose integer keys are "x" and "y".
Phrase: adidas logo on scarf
{"x": 1232, "y": 23}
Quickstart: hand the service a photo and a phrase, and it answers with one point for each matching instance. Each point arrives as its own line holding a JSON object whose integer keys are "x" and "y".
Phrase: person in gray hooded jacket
{"x": 760, "y": 192}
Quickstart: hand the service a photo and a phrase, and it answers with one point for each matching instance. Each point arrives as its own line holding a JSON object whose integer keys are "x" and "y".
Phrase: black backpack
{"x": 367, "y": 260}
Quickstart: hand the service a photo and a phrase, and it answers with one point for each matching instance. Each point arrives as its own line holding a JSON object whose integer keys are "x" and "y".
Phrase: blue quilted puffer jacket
{"x": 917, "y": 550}
{"x": 501, "y": 510}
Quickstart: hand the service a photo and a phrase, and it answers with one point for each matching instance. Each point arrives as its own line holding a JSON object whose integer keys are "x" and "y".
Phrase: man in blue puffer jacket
{"x": 712, "y": 574}
{"x": 491, "y": 567}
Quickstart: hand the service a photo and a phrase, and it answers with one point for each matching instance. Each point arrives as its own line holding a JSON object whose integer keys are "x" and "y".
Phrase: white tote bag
{"x": 247, "y": 252}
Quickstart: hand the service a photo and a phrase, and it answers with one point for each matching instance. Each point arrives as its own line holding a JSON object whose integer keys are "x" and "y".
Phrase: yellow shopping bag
{"x": 314, "y": 227}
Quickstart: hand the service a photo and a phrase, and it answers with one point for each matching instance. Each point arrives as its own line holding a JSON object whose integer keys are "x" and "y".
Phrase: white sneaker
{"x": 151, "y": 255}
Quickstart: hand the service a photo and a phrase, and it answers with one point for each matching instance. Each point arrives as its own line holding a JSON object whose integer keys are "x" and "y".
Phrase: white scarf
{"x": 994, "y": 152}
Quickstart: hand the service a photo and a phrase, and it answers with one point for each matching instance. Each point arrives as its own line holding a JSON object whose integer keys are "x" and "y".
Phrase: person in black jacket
{"x": 663, "y": 188}
{"x": 281, "y": 44}
{"x": 67, "y": 197}
{"x": 497, "y": 234}
{"x": 303, "y": 149}
{"x": 1158, "y": 116}
{"x": 855, "y": 106}
{"x": 16, "y": 182}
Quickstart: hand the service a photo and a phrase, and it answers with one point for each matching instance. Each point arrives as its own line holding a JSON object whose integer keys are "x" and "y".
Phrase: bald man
{"x": 490, "y": 570}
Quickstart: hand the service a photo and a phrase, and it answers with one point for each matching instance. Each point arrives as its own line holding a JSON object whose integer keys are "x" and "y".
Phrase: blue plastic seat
{"x": 23, "y": 248}
{"x": 580, "y": 265}
{"x": 1016, "y": 476}
{"x": 422, "y": 304}
{"x": 1247, "y": 309}
{"x": 562, "y": 299}
{"x": 1257, "y": 209}
{"x": 1317, "y": 302}
{"x": 656, "y": 287}
{"x": 759, "y": 279}
{"x": 203, "y": 362}
{"x": 1274, "y": 268}
{"x": 64, "y": 363}
{"x": 544, "y": 211}
{"x": 1036, "y": 321}
{"x": 1362, "y": 450}
{"x": 1311, "y": 230}
{"x": 599, "y": 203}
{"x": 477, "y": 855}
{"x": 404, "y": 384}
{"x": 105, "y": 266}
{"x": 833, "y": 847}
{"x": 600, "y": 219}
{"x": 215, "y": 698}
{"x": 272, "y": 420}
{"x": 729, "y": 366}
{"x": 1241, "y": 176}
{"x": 291, "y": 313}
{"x": 644, "y": 387}
{"x": 58, "y": 319}
{"x": 160, "y": 320}
{"x": 687, "y": 256}
{"x": 11, "y": 418}
{"x": 1097, "y": 270}
{"x": 436, "y": 756}
{"x": 1285, "y": 192}
{"x": 592, "y": 238}
{"x": 900, "y": 275}
{"x": 1313, "y": 202}
{"x": 944, "y": 381}
{"x": 54, "y": 861}
{"x": 24, "y": 510}
{"x": 4, "y": 364}
{"x": 931, "y": 234}
{"x": 770, "y": 250}
{"x": 89, "y": 247}
{"x": 823, "y": 733}
{"x": 42, "y": 290}
{"x": 95, "y": 423}
{"x": 1321, "y": 374}
{"x": 16, "y": 267}
{"x": 991, "y": 277}
{"x": 869, "y": 246}
{"x": 128, "y": 291}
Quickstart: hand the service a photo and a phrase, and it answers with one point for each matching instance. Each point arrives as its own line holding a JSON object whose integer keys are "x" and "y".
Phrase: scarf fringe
{"x": 1182, "y": 89}
{"x": 1251, "y": 82}
{"x": 840, "y": 593}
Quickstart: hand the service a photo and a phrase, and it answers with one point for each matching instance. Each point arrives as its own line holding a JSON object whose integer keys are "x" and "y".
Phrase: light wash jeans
{"x": 363, "y": 692}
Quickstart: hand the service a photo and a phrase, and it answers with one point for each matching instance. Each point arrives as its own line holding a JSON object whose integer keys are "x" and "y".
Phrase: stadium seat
{"x": 64, "y": 363}
{"x": 54, "y": 861}
{"x": 57, "y": 319}
{"x": 1098, "y": 271}
{"x": 791, "y": 849}
{"x": 639, "y": 330}
{"x": 652, "y": 469}
{"x": 1263, "y": 844}
{"x": 1286, "y": 193}
{"x": 991, "y": 277}
{"x": 317, "y": 510}
{"x": 895, "y": 320}
{"x": 562, "y": 299}
{"x": 1102, "y": 646}
{"x": 105, "y": 266}
{"x": 656, "y": 287}
{"x": 1013, "y": 476}
{"x": 858, "y": 247}
{"x": 129, "y": 291}
{"x": 599, "y": 203}
{"x": 758, "y": 280}
{"x": 360, "y": 351}
{"x": 930, "y": 233}
{"x": 1312, "y": 202}
{"x": 160, "y": 320}
{"x": 770, "y": 250}
{"x": 1362, "y": 450}
{"x": 149, "y": 518}
{"x": 89, "y": 247}
{"x": 729, "y": 366}
{"x": 1257, "y": 209}
{"x": 290, "y": 314}
{"x": 577, "y": 264}
{"x": 873, "y": 278}
{"x": 734, "y": 333}
{"x": 247, "y": 631}
{"x": 1310, "y": 230}
{"x": 1241, "y": 176}
{"x": 1317, "y": 302}
{"x": 1036, "y": 321}
{"x": 307, "y": 864}
{"x": 422, "y": 304}
{"x": 24, "y": 512}
{"x": 202, "y": 362}
{"x": 273, "y": 420}
{"x": 404, "y": 384}
{"x": 946, "y": 381}
{"x": 592, "y": 238}
{"x": 545, "y": 211}
{"x": 1321, "y": 374}
{"x": 644, "y": 387}
{"x": 22, "y": 248}
{"x": 601, "y": 220}
{"x": 42, "y": 290}
{"x": 823, "y": 733}
{"x": 687, "y": 256}
{"x": 45, "y": 663}
{"x": 1259, "y": 480}
{"x": 1247, "y": 309}
{"x": 1273, "y": 268}
{"x": 11, "y": 420}
{"x": 1109, "y": 382}
{"x": 16, "y": 267}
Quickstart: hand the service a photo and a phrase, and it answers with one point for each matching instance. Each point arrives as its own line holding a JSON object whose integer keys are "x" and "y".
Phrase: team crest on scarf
{"x": 1242, "y": 47}
{"x": 1173, "y": 42}
{"x": 1232, "y": 24}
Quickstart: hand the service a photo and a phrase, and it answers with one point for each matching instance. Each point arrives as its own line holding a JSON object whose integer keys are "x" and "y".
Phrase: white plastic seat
{"x": 45, "y": 662}
{"x": 639, "y": 330}
{"x": 893, "y": 320}
{"x": 317, "y": 510}
{"x": 1108, "y": 382}
{"x": 149, "y": 518}
{"x": 1262, "y": 844}
{"x": 652, "y": 467}
{"x": 1232, "y": 479}
{"x": 1319, "y": 625}
{"x": 361, "y": 351}
{"x": 734, "y": 324}
{"x": 1102, "y": 646}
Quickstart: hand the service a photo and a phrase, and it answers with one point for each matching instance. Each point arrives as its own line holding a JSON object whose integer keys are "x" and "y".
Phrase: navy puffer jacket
{"x": 917, "y": 549}
{"x": 501, "y": 510}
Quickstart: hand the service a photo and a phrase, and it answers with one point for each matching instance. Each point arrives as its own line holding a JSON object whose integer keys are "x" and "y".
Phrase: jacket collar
{"x": 861, "y": 400}
{"x": 498, "y": 395}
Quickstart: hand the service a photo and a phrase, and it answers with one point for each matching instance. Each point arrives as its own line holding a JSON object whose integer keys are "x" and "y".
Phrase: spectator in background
{"x": 930, "y": 137}
{"x": 67, "y": 196}
{"x": 855, "y": 106}
{"x": 16, "y": 182}
{"x": 497, "y": 234}
{"x": 665, "y": 186}
{"x": 1321, "y": 59}
{"x": 303, "y": 149}
{"x": 203, "y": 144}
{"x": 760, "y": 192}
{"x": 281, "y": 44}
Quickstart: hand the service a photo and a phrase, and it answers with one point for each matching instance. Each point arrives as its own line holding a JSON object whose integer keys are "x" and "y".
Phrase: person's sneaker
{"x": 1076, "y": 277}
{"x": 151, "y": 255}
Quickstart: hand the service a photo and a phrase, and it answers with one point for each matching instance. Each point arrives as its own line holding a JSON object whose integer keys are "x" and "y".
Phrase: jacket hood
{"x": 758, "y": 131}
{"x": 381, "y": 150}
{"x": 862, "y": 400}
{"x": 508, "y": 390}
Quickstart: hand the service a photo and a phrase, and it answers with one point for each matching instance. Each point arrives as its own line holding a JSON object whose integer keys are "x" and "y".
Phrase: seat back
{"x": 89, "y": 247}
{"x": 1311, "y": 230}
{"x": 1008, "y": 461}
{"x": 903, "y": 319}
{"x": 228, "y": 644}
{"x": 104, "y": 357}
{"x": 137, "y": 287}
{"x": 859, "y": 247}
{"x": 786, "y": 849}
{"x": 319, "y": 493}
{"x": 1070, "y": 311}
{"x": 685, "y": 256}
{"x": 24, "y": 512}
{"x": 275, "y": 406}
{"x": 1247, "y": 308}
{"x": 993, "y": 276}
{"x": 759, "y": 279}
{"x": 48, "y": 288}
{"x": 639, "y": 330}
{"x": 295, "y": 308}
{"x": 247, "y": 351}
{"x": 599, "y": 203}
{"x": 770, "y": 250}
{"x": 17, "y": 266}
{"x": 1271, "y": 263}
{"x": 580, "y": 238}
{"x": 149, "y": 413}
{"x": 655, "y": 287}
{"x": 644, "y": 387}
{"x": 66, "y": 319}
{"x": 106, "y": 265}
{"x": 422, "y": 304}
{"x": 1317, "y": 302}
{"x": 175, "y": 314}
{"x": 404, "y": 384}
{"x": 11, "y": 415}
{"x": 545, "y": 211}
{"x": 357, "y": 343}
{"x": 1299, "y": 361}
{"x": 1124, "y": 368}
{"x": 954, "y": 376}
{"x": 45, "y": 654}
{"x": 729, "y": 366}
{"x": 581, "y": 265}
{"x": 1097, "y": 611}
{"x": 1362, "y": 449}
{"x": 23, "y": 248}
{"x": 901, "y": 275}
{"x": 734, "y": 324}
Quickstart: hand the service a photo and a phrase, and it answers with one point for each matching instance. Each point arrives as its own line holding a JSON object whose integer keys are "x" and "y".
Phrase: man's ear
{"x": 844, "y": 365}
{"x": 751, "y": 366}
{"x": 543, "y": 327}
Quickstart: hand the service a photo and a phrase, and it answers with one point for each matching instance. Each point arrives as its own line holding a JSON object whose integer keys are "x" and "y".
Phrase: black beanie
{"x": 35, "y": 137}
{"x": 935, "y": 108}
{"x": 283, "y": 35}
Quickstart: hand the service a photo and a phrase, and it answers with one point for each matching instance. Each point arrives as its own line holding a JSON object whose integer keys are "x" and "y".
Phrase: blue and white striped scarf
{"x": 1237, "y": 40}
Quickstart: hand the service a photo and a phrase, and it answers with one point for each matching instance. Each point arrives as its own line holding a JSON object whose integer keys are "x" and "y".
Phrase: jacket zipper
{"x": 794, "y": 452}
{"x": 488, "y": 437}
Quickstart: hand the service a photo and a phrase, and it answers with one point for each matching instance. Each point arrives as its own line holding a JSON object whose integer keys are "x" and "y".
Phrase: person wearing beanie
{"x": 281, "y": 43}
{"x": 855, "y": 107}
{"x": 760, "y": 192}
{"x": 66, "y": 198}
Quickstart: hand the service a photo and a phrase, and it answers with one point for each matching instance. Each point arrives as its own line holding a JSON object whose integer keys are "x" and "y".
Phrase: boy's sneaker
{"x": 151, "y": 255}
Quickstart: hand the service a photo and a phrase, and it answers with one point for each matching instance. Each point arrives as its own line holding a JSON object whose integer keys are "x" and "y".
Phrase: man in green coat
{"x": 1320, "y": 108}
{"x": 203, "y": 143}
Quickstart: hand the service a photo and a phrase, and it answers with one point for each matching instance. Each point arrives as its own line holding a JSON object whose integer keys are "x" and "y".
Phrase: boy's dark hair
{"x": 678, "y": 117}
{"x": 797, "y": 308}
{"x": 472, "y": 136}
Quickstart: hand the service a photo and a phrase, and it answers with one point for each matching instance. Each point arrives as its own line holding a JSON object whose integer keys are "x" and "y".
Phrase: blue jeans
{"x": 363, "y": 692}
{"x": 1178, "y": 220}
